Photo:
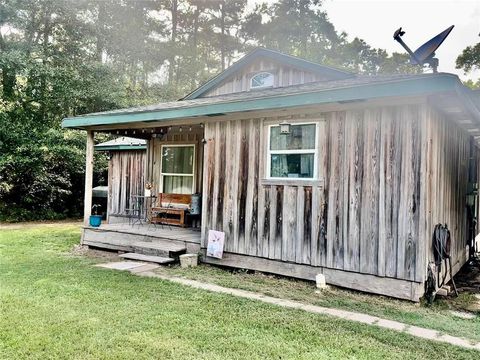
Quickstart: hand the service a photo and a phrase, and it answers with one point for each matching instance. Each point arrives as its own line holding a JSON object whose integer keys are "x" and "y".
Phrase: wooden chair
{"x": 171, "y": 209}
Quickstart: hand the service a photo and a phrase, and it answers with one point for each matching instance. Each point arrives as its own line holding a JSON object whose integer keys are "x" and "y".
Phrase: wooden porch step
{"x": 147, "y": 258}
{"x": 165, "y": 249}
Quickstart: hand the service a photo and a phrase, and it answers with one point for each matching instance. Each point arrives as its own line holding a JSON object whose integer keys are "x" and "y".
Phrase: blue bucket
{"x": 95, "y": 220}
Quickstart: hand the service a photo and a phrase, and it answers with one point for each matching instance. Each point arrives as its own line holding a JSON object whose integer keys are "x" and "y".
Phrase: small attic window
{"x": 261, "y": 80}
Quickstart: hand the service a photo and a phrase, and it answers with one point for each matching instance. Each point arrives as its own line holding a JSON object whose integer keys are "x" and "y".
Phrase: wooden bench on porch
{"x": 171, "y": 209}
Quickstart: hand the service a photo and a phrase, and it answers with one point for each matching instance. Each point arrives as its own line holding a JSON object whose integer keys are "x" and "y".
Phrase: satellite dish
{"x": 425, "y": 53}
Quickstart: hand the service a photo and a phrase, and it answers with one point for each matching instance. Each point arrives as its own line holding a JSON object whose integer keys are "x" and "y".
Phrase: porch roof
{"x": 122, "y": 143}
{"x": 358, "y": 88}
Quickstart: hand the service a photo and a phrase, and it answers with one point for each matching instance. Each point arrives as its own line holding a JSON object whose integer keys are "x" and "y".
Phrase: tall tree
{"x": 50, "y": 74}
{"x": 227, "y": 19}
{"x": 173, "y": 39}
{"x": 469, "y": 59}
{"x": 302, "y": 28}
{"x": 296, "y": 27}
{"x": 64, "y": 57}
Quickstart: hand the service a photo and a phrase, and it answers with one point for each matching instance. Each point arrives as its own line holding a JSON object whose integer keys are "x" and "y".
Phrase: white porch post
{"x": 88, "y": 178}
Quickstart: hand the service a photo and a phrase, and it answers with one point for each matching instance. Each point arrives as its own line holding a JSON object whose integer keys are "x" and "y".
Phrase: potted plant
{"x": 95, "y": 219}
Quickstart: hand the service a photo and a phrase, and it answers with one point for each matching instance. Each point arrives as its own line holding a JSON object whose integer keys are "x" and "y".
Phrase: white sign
{"x": 216, "y": 239}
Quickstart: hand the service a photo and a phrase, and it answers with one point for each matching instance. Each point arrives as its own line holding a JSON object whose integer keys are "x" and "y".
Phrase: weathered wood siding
{"x": 363, "y": 216}
{"x": 448, "y": 154}
{"x": 154, "y": 154}
{"x": 387, "y": 175}
{"x": 284, "y": 76}
{"x": 125, "y": 178}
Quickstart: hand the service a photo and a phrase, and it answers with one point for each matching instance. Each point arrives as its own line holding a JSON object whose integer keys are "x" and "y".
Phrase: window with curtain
{"x": 292, "y": 155}
{"x": 178, "y": 169}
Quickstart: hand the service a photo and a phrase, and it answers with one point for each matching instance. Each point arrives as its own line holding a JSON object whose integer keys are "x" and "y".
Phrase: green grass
{"x": 438, "y": 316}
{"x": 54, "y": 305}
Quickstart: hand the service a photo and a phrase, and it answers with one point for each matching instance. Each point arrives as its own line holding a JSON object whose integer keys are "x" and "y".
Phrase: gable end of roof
{"x": 336, "y": 74}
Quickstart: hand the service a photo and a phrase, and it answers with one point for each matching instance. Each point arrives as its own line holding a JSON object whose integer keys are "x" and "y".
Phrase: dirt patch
{"x": 468, "y": 286}
{"x": 79, "y": 250}
{"x": 82, "y": 250}
{"x": 468, "y": 278}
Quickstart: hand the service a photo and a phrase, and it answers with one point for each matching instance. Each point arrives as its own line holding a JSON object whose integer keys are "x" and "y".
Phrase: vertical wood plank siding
{"x": 283, "y": 76}
{"x": 125, "y": 178}
{"x": 381, "y": 167}
{"x": 448, "y": 151}
{"x": 335, "y": 184}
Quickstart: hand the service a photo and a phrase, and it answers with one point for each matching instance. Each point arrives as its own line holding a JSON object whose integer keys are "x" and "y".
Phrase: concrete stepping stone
{"x": 121, "y": 265}
{"x": 147, "y": 258}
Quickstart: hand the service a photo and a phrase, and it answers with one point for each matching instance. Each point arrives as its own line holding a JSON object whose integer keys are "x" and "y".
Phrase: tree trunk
{"x": 195, "y": 45}
{"x": 45, "y": 55}
{"x": 222, "y": 36}
{"x": 8, "y": 75}
{"x": 173, "y": 39}
{"x": 100, "y": 45}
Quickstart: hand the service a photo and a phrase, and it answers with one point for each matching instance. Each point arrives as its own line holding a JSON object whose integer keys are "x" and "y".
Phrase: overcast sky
{"x": 375, "y": 21}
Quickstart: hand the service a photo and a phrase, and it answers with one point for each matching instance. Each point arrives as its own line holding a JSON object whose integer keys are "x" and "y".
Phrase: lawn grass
{"x": 438, "y": 316}
{"x": 54, "y": 305}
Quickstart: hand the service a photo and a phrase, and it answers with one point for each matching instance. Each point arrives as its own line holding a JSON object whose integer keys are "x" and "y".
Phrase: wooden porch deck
{"x": 125, "y": 237}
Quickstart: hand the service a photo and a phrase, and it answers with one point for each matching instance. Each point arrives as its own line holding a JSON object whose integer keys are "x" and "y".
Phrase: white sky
{"x": 375, "y": 22}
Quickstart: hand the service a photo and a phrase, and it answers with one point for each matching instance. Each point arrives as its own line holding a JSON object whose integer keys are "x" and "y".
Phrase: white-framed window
{"x": 178, "y": 169}
{"x": 293, "y": 155}
{"x": 261, "y": 80}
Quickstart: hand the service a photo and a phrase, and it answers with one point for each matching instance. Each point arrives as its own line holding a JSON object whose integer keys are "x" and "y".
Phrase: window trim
{"x": 313, "y": 151}
{"x": 265, "y": 86}
{"x": 162, "y": 174}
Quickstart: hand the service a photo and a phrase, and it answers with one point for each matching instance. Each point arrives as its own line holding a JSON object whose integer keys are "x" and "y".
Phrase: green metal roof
{"x": 354, "y": 89}
{"x": 334, "y": 74}
{"x": 100, "y": 191}
{"x": 122, "y": 143}
{"x": 121, "y": 148}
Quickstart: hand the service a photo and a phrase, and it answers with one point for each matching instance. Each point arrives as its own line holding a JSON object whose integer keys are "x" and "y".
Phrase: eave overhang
{"x": 188, "y": 109}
